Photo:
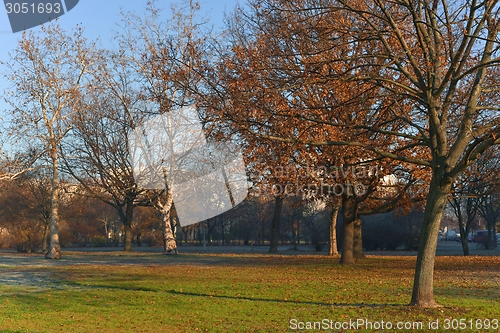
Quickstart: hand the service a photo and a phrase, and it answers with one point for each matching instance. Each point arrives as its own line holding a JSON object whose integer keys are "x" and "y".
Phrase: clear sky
{"x": 99, "y": 18}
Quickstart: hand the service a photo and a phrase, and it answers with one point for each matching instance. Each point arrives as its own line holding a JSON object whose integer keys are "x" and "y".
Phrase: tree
{"x": 488, "y": 201}
{"x": 254, "y": 217}
{"x": 335, "y": 207}
{"x": 167, "y": 57}
{"x": 47, "y": 73}
{"x": 25, "y": 211}
{"x": 465, "y": 199}
{"x": 489, "y": 209}
{"x": 81, "y": 219}
{"x": 294, "y": 212}
{"x": 280, "y": 89}
{"x": 260, "y": 84}
{"x": 432, "y": 68}
{"x": 96, "y": 154}
{"x": 39, "y": 188}
{"x": 440, "y": 59}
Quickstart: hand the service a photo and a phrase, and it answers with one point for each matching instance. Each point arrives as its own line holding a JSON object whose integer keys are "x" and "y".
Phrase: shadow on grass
{"x": 253, "y": 299}
{"x": 439, "y": 292}
{"x": 245, "y": 298}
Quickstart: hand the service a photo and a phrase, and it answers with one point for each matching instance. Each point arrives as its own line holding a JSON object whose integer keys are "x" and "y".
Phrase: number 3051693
{"x": 467, "y": 324}
{"x": 31, "y": 8}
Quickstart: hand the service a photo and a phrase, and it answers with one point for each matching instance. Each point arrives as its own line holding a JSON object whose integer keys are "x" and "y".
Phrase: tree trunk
{"x": 349, "y": 207}
{"x": 465, "y": 242}
{"x": 358, "y": 240}
{"x": 298, "y": 232}
{"x": 105, "y": 223}
{"x": 347, "y": 256}
{"x": 169, "y": 243}
{"x": 54, "y": 251}
{"x": 210, "y": 229}
{"x": 127, "y": 225}
{"x": 333, "y": 228}
{"x": 423, "y": 292}
{"x": 463, "y": 234}
{"x": 490, "y": 244}
{"x": 275, "y": 224}
{"x": 45, "y": 235}
{"x": 463, "y": 226}
{"x": 294, "y": 241}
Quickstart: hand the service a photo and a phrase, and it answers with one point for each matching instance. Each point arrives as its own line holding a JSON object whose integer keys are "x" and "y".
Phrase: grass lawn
{"x": 239, "y": 293}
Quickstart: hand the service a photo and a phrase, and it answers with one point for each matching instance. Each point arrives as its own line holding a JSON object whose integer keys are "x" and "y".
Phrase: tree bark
{"x": 127, "y": 226}
{"x": 294, "y": 236}
{"x": 358, "y": 239}
{"x": 347, "y": 256}
{"x": 464, "y": 231}
{"x": 138, "y": 241}
{"x": 275, "y": 224}
{"x": 54, "y": 251}
{"x": 45, "y": 235}
{"x": 349, "y": 207}
{"x": 464, "y": 222}
{"x": 423, "y": 292}
{"x": 333, "y": 228}
{"x": 490, "y": 244}
{"x": 169, "y": 243}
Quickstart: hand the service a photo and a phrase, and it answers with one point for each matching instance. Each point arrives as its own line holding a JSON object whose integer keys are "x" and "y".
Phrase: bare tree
{"x": 167, "y": 57}
{"x": 488, "y": 200}
{"x": 25, "y": 211}
{"x": 48, "y": 72}
{"x": 39, "y": 188}
{"x": 465, "y": 199}
{"x": 96, "y": 153}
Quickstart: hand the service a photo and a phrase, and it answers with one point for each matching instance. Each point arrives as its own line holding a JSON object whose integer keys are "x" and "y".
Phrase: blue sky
{"x": 99, "y": 18}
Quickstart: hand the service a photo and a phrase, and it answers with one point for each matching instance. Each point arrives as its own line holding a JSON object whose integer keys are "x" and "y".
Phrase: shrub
{"x": 99, "y": 241}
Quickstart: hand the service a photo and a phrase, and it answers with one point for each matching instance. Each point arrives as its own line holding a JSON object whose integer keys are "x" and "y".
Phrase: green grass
{"x": 240, "y": 293}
